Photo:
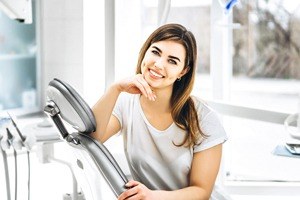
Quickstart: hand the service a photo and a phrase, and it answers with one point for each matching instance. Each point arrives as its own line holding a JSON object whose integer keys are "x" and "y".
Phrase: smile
{"x": 155, "y": 74}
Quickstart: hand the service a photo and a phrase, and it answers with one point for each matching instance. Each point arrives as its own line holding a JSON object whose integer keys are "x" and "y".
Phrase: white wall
{"x": 72, "y": 45}
{"x": 93, "y": 51}
{"x": 61, "y": 29}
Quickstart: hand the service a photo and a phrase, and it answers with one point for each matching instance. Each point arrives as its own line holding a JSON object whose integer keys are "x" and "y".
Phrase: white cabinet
{"x": 19, "y": 69}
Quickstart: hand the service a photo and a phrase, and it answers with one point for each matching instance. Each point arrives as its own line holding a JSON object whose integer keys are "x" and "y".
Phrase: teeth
{"x": 155, "y": 74}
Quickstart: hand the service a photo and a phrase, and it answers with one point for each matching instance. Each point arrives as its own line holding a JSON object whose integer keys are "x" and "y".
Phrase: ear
{"x": 184, "y": 71}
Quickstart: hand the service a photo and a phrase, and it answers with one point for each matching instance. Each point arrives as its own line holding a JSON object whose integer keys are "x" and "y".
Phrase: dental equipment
{"x": 23, "y": 141}
{"x": 40, "y": 135}
{"x": 228, "y": 6}
{"x": 23, "y": 138}
{"x": 293, "y": 148}
{"x": 290, "y": 125}
{"x": 92, "y": 157}
{"x": 7, "y": 182}
{"x": 19, "y": 10}
{"x": 10, "y": 139}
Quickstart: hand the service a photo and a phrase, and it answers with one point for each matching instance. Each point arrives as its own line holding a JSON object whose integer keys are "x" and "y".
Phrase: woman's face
{"x": 163, "y": 64}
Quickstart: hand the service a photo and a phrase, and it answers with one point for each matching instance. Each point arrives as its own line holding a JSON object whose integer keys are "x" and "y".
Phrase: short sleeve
{"x": 211, "y": 126}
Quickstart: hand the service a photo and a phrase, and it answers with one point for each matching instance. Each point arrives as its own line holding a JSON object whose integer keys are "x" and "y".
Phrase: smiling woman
{"x": 162, "y": 62}
{"x": 158, "y": 117}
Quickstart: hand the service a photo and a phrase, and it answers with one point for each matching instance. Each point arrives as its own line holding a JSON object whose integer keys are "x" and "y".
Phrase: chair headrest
{"x": 73, "y": 109}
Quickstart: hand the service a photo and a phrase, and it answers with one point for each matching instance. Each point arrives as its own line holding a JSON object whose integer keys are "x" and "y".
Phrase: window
{"x": 265, "y": 75}
{"x": 266, "y": 54}
{"x": 18, "y": 66}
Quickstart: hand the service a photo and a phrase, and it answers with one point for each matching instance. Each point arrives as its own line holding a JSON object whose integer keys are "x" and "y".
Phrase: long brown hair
{"x": 183, "y": 108}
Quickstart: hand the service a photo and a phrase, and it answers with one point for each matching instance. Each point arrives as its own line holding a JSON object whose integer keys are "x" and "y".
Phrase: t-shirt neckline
{"x": 147, "y": 121}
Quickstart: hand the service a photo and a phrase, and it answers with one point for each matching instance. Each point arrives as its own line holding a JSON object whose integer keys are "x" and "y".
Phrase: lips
{"x": 156, "y": 74}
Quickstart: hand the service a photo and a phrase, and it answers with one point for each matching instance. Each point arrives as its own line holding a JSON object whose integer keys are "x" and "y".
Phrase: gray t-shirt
{"x": 152, "y": 157}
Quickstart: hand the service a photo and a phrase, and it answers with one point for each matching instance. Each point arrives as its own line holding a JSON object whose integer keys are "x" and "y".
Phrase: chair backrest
{"x": 92, "y": 158}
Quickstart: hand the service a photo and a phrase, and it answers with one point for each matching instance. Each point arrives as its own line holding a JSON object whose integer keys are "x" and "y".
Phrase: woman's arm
{"x": 203, "y": 174}
{"x": 107, "y": 124}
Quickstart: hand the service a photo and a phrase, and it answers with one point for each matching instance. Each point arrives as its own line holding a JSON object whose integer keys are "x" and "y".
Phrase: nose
{"x": 159, "y": 63}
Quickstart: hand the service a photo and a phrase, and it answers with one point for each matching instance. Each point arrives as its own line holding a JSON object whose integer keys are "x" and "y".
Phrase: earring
{"x": 178, "y": 79}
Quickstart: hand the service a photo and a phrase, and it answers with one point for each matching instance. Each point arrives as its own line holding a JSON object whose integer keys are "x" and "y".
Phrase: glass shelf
{"x": 16, "y": 56}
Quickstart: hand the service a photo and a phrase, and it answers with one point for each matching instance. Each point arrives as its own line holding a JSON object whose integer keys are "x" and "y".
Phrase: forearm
{"x": 103, "y": 109}
{"x": 188, "y": 193}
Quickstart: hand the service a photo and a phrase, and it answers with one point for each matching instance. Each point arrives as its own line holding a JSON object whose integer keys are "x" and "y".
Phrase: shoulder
{"x": 210, "y": 125}
{"x": 125, "y": 101}
{"x": 123, "y": 107}
{"x": 125, "y": 95}
{"x": 202, "y": 107}
{"x": 126, "y": 98}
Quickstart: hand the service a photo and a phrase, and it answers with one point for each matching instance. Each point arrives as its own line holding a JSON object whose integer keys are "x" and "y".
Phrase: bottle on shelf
{"x": 29, "y": 95}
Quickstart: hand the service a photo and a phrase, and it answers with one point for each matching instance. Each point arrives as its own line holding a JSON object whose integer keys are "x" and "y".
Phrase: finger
{"x": 132, "y": 183}
{"x": 146, "y": 85}
{"x": 138, "y": 193}
{"x": 151, "y": 93}
{"x": 147, "y": 88}
{"x": 153, "y": 96}
{"x": 128, "y": 194}
{"x": 140, "y": 86}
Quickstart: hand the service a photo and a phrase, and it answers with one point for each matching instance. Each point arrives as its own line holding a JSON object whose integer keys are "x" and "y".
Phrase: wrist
{"x": 116, "y": 87}
{"x": 157, "y": 195}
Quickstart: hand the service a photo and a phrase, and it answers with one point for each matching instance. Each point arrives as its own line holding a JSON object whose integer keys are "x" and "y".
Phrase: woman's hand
{"x": 137, "y": 191}
{"x": 136, "y": 85}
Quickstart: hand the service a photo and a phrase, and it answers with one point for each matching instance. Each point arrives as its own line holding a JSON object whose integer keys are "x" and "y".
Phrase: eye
{"x": 173, "y": 62}
{"x": 155, "y": 52}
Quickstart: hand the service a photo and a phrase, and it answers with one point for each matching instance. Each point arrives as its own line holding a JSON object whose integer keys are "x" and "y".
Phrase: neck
{"x": 161, "y": 103}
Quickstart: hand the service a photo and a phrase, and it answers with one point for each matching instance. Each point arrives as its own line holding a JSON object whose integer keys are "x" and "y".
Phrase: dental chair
{"x": 92, "y": 159}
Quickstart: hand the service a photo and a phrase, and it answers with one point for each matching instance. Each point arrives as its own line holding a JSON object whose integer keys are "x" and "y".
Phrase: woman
{"x": 172, "y": 141}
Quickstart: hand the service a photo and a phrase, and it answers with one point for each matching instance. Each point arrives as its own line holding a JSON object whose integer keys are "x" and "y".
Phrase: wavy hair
{"x": 183, "y": 109}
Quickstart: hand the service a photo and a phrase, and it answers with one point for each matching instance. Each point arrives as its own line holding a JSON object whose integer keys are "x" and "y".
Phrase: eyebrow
{"x": 159, "y": 50}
